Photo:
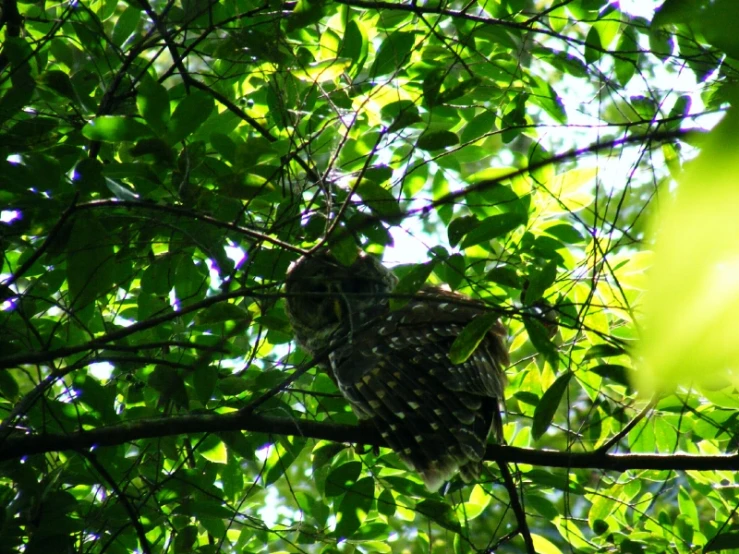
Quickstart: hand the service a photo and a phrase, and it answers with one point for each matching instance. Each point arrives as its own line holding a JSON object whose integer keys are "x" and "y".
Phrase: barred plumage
{"x": 394, "y": 367}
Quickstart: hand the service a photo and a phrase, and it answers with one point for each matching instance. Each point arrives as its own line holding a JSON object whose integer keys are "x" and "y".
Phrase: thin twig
{"x": 614, "y": 440}
{"x": 50, "y": 237}
{"x": 132, "y": 513}
{"x": 518, "y": 510}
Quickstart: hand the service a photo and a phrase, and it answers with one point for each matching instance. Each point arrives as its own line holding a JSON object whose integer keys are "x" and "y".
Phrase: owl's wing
{"x": 435, "y": 414}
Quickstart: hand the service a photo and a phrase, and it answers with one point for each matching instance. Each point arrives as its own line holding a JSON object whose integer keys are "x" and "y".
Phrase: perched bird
{"x": 394, "y": 367}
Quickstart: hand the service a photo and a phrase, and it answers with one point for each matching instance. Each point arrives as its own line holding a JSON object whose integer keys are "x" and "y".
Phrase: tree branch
{"x": 19, "y": 446}
{"x": 518, "y": 509}
{"x": 133, "y": 514}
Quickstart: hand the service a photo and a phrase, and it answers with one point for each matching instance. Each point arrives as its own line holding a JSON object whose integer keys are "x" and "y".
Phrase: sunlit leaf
{"x": 491, "y": 228}
{"x": 218, "y": 454}
{"x": 153, "y": 104}
{"x": 323, "y": 71}
{"x": 547, "y": 407}
{"x": 115, "y": 128}
{"x": 544, "y": 545}
{"x": 354, "y": 507}
{"x": 190, "y": 113}
{"x": 392, "y": 53}
{"x": 470, "y": 337}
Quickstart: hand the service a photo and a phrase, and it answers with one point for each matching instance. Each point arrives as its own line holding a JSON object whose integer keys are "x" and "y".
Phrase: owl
{"x": 394, "y": 367}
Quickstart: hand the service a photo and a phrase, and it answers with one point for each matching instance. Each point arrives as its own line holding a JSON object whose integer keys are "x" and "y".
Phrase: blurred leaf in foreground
{"x": 690, "y": 330}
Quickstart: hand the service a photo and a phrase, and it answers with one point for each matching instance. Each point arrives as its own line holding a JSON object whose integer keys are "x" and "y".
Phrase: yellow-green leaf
{"x": 218, "y": 454}
{"x": 323, "y": 71}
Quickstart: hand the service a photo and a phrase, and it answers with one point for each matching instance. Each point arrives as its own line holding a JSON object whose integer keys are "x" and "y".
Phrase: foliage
{"x": 164, "y": 162}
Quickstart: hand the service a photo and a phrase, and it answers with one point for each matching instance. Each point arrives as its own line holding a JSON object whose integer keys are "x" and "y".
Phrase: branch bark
{"x": 19, "y": 446}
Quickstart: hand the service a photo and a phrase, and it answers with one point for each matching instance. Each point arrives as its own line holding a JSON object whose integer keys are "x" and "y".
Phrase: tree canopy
{"x": 571, "y": 164}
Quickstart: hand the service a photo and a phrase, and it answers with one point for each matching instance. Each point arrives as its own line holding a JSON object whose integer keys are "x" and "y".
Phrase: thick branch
{"x": 18, "y": 446}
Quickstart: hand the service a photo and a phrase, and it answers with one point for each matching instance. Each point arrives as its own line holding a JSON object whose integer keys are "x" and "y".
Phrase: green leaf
{"x": 355, "y": 44}
{"x": 204, "y": 509}
{"x": 626, "y": 63}
{"x": 18, "y": 96}
{"x": 641, "y": 437}
{"x": 386, "y": 503}
{"x": 152, "y": 100}
{"x": 379, "y": 199}
{"x": 540, "y": 279}
{"x": 392, "y": 54}
{"x": 603, "y": 351}
{"x": 185, "y": 539}
{"x": 694, "y": 340}
{"x": 305, "y": 13}
{"x": 8, "y": 385}
{"x": 602, "y": 507}
{"x": 192, "y": 111}
{"x": 458, "y": 90}
{"x": 168, "y": 382}
{"x": 345, "y": 250}
{"x": 478, "y": 126}
{"x": 60, "y": 83}
{"x": 323, "y": 71}
{"x": 717, "y": 23}
{"x": 722, "y": 542}
{"x": 459, "y": 227}
{"x": 673, "y": 11}
{"x": 436, "y": 140}
{"x": 155, "y": 147}
{"x": 593, "y": 46}
{"x": 661, "y": 43}
{"x": 504, "y": 275}
{"x": 543, "y": 505}
{"x": 542, "y": 545}
{"x": 405, "y": 118}
{"x": 115, "y": 128}
{"x": 204, "y": 378}
{"x": 91, "y": 266}
{"x": 491, "y": 228}
{"x": 547, "y": 407}
{"x": 432, "y": 85}
{"x": 539, "y": 337}
{"x": 679, "y": 110}
{"x": 565, "y": 233}
{"x": 354, "y": 507}
{"x": 88, "y": 176}
{"x": 220, "y": 312}
{"x": 451, "y": 270}
{"x": 439, "y": 512}
{"x": 233, "y": 385}
{"x": 470, "y": 337}
{"x": 547, "y": 98}
{"x": 324, "y": 453}
{"x": 342, "y": 478}
{"x": 285, "y": 453}
{"x": 216, "y": 452}
{"x": 410, "y": 283}
{"x": 556, "y": 479}
{"x": 126, "y": 24}
{"x": 688, "y": 508}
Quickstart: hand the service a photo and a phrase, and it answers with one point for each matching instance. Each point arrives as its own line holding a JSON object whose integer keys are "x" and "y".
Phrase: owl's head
{"x": 327, "y": 300}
